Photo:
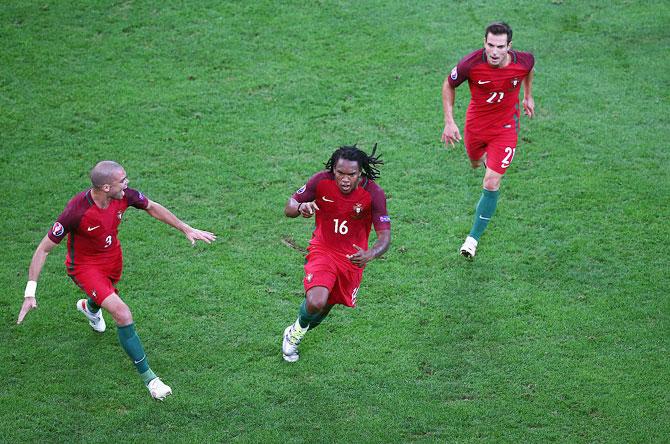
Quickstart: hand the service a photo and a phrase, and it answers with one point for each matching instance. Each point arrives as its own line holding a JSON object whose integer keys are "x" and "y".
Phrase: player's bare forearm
{"x": 382, "y": 243}
{"x": 362, "y": 257}
{"x": 450, "y": 134}
{"x": 291, "y": 208}
{"x": 36, "y": 265}
{"x": 39, "y": 258}
{"x": 294, "y": 208}
{"x": 164, "y": 215}
{"x": 448, "y": 100}
{"x": 528, "y": 84}
{"x": 528, "y": 101}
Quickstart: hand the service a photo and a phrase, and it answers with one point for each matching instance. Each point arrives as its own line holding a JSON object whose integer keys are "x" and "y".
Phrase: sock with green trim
{"x": 316, "y": 321}
{"x": 307, "y": 320}
{"x": 133, "y": 347}
{"x": 484, "y": 211}
{"x": 92, "y": 306}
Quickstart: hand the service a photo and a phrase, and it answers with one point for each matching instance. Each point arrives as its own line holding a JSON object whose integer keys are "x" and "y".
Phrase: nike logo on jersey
{"x": 93, "y": 228}
{"x": 481, "y": 82}
{"x": 325, "y": 199}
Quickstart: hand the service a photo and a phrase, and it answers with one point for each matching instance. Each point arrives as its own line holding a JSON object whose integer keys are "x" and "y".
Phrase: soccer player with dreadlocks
{"x": 346, "y": 202}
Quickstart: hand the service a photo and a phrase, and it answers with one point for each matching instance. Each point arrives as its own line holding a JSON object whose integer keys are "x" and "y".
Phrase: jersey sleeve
{"x": 461, "y": 72}
{"x": 136, "y": 199}
{"x": 307, "y": 192}
{"x": 69, "y": 219}
{"x": 527, "y": 60}
{"x": 380, "y": 218}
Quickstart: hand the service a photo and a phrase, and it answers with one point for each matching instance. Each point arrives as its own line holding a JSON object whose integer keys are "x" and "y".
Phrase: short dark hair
{"x": 498, "y": 28}
{"x": 366, "y": 163}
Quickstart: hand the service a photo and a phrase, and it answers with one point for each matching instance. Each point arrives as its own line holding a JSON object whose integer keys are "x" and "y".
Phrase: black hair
{"x": 366, "y": 163}
{"x": 498, "y": 28}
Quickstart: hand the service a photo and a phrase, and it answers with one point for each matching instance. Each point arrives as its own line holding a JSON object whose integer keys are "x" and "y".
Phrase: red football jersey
{"x": 494, "y": 104}
{"x": 344, "y": 219}
{"x": 93, "y": 231}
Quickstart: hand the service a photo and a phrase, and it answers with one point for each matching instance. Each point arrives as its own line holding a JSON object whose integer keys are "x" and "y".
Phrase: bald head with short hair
{"x": 104, "y": 172}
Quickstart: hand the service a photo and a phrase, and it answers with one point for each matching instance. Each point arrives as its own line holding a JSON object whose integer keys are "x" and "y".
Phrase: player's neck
{"x": 100, "y": 198}
{"x": 508, "y": 59}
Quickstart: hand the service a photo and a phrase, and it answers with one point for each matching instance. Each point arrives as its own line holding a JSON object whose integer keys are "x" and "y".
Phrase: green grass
{"x": 558, "y": 331}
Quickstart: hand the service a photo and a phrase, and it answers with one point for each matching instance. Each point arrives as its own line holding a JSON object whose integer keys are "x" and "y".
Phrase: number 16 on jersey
{"x": 341, "y": 228}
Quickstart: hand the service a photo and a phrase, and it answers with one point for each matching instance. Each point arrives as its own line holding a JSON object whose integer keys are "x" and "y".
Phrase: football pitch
{"x": 558, "y": 330}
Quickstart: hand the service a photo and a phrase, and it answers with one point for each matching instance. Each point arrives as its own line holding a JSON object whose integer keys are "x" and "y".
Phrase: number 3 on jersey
{"x": 341, "y": 228}
{"x": 108, "y": 241}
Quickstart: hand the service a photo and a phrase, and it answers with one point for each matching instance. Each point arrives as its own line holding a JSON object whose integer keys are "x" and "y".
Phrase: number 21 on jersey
{"x": 509, "y": 155}
{"x": 495, "y": 97}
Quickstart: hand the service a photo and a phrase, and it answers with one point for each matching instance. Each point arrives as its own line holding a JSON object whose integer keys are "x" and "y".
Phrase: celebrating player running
{"x": 346, "y": 202}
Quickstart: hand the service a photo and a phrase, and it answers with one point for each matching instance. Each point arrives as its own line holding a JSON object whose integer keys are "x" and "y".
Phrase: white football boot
{"x": 95, "y": 320}
{"x": 469, "y": 247}
{"x": 292, "y": 337}
{"x": 158, "y": 389}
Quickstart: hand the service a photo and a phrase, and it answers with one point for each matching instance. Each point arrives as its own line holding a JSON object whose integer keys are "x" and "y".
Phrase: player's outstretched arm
{"x": 294, "y": 208}
{"x": 362, "y": 257}
{"x": 528, "y": 101}
{"x": 161, "y": 213}
{"x": 450, "y": 135}
{"x": 36, "y": 265}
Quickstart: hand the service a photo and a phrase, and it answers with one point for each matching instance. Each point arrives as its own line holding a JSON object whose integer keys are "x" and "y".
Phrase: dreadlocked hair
{"x": 368, "y": 164}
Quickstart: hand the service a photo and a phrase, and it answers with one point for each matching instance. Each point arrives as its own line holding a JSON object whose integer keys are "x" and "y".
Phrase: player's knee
{"x": 122, "y": 315}
{"x": 316, "y": 305}
{"x": 316, "y": 301}
{"x": 491, "y": 183}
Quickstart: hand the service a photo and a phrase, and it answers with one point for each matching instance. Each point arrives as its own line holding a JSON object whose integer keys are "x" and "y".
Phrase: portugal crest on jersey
{"x": 358, "y": 211}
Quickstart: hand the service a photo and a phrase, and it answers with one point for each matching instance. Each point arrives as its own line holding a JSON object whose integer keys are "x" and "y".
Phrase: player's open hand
{"x": 451, "y": 135}
{"x": 529, "y": 107}
{"x": 308, "y": 209}
{"x": 28, "y": 304}
{"x": 193, "y": 235}
{"x": 360, "y": 257}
